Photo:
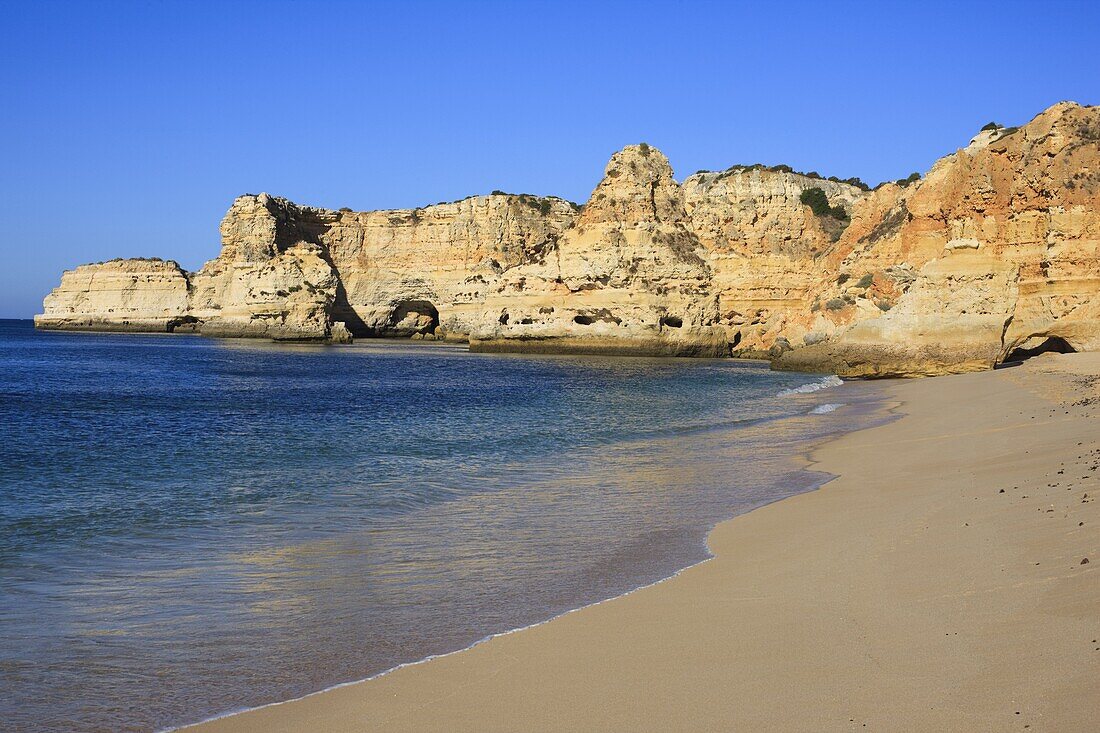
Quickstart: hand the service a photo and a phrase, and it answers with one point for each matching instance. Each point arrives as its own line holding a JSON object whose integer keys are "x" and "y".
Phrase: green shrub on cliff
{"x": 913, "y": 178}
{"x": 818, "y": 202}
{"x": 816, "y": 199}
{"x": 784, "y": 168}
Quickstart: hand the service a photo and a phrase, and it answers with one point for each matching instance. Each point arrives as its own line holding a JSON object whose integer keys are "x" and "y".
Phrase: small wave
{"x": 824, "y": 383}
{"x": 823, "y": 409}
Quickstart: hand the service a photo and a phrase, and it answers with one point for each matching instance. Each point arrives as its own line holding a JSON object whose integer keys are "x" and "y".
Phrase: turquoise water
{"x": 193, "y": 526}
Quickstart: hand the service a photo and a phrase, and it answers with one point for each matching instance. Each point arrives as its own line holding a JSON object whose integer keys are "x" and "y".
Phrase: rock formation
{"x": 993, "y": 254}
{"x": 293, "y": 272}
{"x": 119, "y": 295}
{"x": 996, "y": 249}
{"x": 763, "y": 245}
{"x": 628, "y": 276}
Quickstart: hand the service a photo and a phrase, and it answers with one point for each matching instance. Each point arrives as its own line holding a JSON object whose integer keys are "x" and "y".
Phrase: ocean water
{"x": 191, "y": 526}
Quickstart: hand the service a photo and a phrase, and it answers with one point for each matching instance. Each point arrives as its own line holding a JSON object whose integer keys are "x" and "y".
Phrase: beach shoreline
{"x": 906, "y": 593}
{"x": 864, "y": 409}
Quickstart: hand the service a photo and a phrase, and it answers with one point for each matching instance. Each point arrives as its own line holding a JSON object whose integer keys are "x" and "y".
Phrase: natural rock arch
{"x": 1035, "y": 345}
{"x": 412, "y": 317}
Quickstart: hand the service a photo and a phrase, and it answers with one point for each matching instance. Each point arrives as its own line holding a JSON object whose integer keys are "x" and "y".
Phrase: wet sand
{"x": 938, "y": 584}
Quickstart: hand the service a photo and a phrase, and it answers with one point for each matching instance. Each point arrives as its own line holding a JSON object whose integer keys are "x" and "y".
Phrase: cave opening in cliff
{"x": 189, "y": 324}
{"x": 1039, "y": 345}
{"x": 411, "y": 317}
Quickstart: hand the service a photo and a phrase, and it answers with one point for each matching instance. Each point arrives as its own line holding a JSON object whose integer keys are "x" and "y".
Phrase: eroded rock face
{"x": 951, "y": 320}
{"x": 429, "y": 271}
{"x": 997, "y": 246}
{"x": 629, "y": 276}
{"x": 119, "y": 295}
{"x": 996, "y": 250}
{"x": 403, "y": 272}
{"x": 764, "y": 248}
{"x": 287, "y": 296}
{"x": 295, "y": 272}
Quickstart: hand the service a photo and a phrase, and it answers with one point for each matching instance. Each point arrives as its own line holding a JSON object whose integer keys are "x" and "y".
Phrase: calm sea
{"x": 193, "y": 526}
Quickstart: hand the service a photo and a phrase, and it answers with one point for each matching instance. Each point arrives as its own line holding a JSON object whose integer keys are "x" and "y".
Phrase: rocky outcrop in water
{"x": 293, "y": 272}
{"x": 119, "y": 295}
{"x": 994, "y": 253}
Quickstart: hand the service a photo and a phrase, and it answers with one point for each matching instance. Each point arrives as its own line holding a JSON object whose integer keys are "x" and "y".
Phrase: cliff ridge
{"x": 994, "y": 254}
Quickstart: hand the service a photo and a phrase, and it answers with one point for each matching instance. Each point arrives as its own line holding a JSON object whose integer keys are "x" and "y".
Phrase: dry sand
{"x": 936, "y": 585}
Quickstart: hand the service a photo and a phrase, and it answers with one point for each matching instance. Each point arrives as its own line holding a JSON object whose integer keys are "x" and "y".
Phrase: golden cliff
{"x": 995, "y": 254}
{"x": 629, "y": 275}
{"x": 119, "y": 295}
{"x": 302, "y": 273}
{"x": 992, "y": 255}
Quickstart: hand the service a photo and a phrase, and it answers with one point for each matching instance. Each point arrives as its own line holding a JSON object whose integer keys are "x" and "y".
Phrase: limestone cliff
{"x": 764, "y": 247}
{"x": 628, "y": 276}
{"x": 996, "y": 249}
{"x": 296, "y": 272}
{"x": 994, "y": 253}
{"x": 119, "y": 295}
{"x": 709, "y": 268}
{"x": 410, "y": 272}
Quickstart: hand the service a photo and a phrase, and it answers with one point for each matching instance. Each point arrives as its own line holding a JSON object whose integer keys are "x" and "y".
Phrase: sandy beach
{"x": 944, "y": 581}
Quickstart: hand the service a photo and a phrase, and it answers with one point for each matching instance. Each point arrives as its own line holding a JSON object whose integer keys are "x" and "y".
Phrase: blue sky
{"x": 128, "y": 128}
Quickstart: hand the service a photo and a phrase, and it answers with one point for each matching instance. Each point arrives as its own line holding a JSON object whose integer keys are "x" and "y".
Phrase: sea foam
{"x": 824, "y": 383}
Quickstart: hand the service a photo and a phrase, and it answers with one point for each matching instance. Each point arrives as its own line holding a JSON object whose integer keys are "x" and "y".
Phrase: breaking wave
{"x": 824, "y": 383}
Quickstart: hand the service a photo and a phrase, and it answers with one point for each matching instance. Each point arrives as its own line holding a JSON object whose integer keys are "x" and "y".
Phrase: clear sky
{"x": 128, "y": 128}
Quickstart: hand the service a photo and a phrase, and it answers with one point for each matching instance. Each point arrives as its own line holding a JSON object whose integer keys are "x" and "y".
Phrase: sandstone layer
{"x": 627, "y": 275}
{"x": 991, "y": 256}
{"x": 294, "y": 272}
{"x": 119, "y": 295}
{"x": 994, "y": 254}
